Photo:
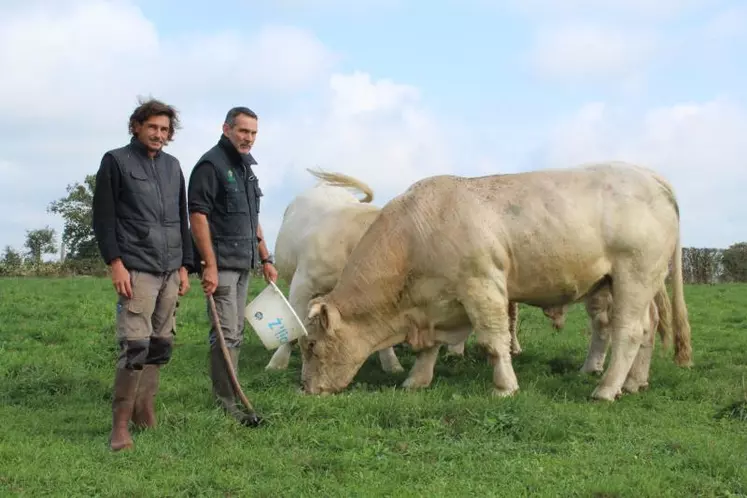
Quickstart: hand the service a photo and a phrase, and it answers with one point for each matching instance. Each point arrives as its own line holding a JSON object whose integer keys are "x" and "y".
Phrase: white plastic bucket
{"x": 273, "y": 319}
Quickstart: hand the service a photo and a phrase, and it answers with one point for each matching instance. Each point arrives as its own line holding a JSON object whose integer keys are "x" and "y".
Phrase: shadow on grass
{"x": 735, "y": 411}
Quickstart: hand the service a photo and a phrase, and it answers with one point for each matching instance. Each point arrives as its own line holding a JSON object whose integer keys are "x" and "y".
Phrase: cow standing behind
{"x": 320, "y": 227}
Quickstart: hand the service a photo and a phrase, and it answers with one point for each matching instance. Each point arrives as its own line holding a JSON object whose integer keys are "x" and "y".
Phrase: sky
{"x": 389, "y": 91}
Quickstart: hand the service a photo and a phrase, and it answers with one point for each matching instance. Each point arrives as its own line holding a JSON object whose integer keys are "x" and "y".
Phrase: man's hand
{"x": 209, "y": 279}
{"x": 183, "y": 281}
{"x": 270, "y": 273}
{"x": 121, "y": 279}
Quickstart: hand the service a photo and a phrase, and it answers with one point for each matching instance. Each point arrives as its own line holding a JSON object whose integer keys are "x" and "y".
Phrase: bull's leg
{"x": 389, "y": 361}
{"x": 299, "y": 295}
{"x": 598, "y": 307}
{"x": 280, "y": 358}
{"x": 638, "y": 375}
{"x": 513, "y": 316}
{"x": 455, "y": 349}
{"x": 421, "y": 373}
{"x": 631, "y": 300}
{"x": 485, "y": 301}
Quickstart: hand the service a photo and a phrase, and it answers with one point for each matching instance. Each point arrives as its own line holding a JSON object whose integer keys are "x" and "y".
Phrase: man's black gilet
{"x": 235, "y": 214}
{"x": 148, "y": 222}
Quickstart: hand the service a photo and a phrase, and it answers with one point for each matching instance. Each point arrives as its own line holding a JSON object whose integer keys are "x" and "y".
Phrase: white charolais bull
{"x": 320, "y": 227}
{"x": 448, "y": 254}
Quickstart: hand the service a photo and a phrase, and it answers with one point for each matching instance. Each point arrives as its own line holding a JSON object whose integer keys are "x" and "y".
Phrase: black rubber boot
{"x": 223, "y": 389}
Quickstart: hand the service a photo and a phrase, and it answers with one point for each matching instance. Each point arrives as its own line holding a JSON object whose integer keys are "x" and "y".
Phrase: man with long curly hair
{"x": 141, "y": 225}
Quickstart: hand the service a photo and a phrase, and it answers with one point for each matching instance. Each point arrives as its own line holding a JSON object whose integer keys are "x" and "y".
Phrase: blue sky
{"x": 388, "y": 91}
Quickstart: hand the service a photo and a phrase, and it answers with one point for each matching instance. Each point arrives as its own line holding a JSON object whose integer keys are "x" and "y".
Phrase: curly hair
{"x": 152, "y": 107}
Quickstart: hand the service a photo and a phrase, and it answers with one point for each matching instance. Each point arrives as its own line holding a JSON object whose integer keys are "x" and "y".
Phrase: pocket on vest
{"x": 233, "y": 249}
{"x": 174, "y": 236}
{"x": 140, "y": 184}
{"x": 236, "y": 203}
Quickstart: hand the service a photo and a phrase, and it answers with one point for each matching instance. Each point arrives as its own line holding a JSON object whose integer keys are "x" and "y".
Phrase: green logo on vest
{"x": 231, "y": 178}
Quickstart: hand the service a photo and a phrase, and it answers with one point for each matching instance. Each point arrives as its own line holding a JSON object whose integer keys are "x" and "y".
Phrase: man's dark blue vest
{"x": 148, "y": 221}
{"x": 235, "y": 214}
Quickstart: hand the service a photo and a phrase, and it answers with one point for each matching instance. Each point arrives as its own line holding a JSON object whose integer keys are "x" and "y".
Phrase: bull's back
{"x": 304, "y": 217}
{"x": 328, "y": 244}
{"x": 553, "y": 233}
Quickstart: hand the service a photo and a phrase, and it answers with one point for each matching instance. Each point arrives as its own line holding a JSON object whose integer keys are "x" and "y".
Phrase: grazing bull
{"x": 448, "y": 255}
{"x": 320, "y": 228}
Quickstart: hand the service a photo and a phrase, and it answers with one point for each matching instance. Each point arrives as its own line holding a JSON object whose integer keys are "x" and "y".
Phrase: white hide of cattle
{"x": 320, "y": 228}
{"x": 450, "y": 253}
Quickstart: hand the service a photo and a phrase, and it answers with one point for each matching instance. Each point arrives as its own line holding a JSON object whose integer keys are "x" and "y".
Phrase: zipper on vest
{"x": 253, "y": 234}
{"x": 162, "y": 217}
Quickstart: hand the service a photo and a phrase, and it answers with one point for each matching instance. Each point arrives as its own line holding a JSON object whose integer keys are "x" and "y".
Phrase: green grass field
{"x": 685, "y": 436}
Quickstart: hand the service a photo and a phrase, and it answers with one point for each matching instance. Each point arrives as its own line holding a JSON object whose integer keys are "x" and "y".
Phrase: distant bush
{"x": 734, "y": 262}
{"x": 701, "y": 265}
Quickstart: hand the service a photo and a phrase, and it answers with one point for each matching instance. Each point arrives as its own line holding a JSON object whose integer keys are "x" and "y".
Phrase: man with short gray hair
{"x": 224, "y": 204}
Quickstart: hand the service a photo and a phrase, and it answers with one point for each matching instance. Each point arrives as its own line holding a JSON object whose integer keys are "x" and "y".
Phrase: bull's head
{"x": 334, "y": 350}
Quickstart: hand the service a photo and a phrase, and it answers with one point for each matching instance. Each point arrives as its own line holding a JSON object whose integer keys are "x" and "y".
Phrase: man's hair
{"x": 152, "y": 107}
{"x": 235, "y": 111}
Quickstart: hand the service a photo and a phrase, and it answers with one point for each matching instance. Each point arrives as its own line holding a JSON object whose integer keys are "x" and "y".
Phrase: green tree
{"x": 77, "y": 210}
{"x": 11, "y": 258}
{"x": 734, "y": 260}
{"x": 40, "y": 242}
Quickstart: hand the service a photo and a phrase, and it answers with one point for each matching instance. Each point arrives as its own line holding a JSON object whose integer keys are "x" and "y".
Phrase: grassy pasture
{"x": 685, "y": 436}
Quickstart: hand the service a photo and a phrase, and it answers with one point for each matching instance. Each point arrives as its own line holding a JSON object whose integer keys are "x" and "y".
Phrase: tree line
{"x": 78, "y": 252}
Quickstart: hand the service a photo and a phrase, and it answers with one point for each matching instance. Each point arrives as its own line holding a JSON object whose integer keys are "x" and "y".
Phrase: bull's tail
{"x": 681, "y": 322}
{"x": 342, "y": 180}
{"x": 664, "y": 308}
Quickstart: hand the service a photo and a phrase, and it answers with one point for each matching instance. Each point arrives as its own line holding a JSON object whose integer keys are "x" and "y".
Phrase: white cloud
{"x": 641, "y": 10}
{"x": 699, "y": 146}
{"x": 377, "y": 130}
{"x": 56, "y": 61}
{"x": 72, "y": 71}
{"x": 578, "y": 52}
{"x": 77, "y": 69}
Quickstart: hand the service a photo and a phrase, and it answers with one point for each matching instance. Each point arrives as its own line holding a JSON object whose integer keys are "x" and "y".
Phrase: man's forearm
{"x": 201, "y": 232}
{"x": 264, "y": 253}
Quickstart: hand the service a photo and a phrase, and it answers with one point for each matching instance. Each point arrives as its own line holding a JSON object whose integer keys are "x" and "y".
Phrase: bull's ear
{"x": 319, "y": 309}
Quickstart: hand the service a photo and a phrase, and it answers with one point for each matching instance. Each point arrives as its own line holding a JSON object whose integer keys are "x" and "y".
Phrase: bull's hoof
{"x": 274, "y": 368}
{"x": 516, "y": 351}
{"x": 413, "y": 383}
{"x": 592, "y": 370}
{"x": 504, "y": 393}
{"x": 634, "y": 386}
{"x": 606, "y": 394}
{"x": 393, "y": 369}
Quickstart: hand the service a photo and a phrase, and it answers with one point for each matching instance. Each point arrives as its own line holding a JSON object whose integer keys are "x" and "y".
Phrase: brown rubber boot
{"x": 223, "y": 389}
{"x": 144, "y": 414}
{"x": 125, "y": 385}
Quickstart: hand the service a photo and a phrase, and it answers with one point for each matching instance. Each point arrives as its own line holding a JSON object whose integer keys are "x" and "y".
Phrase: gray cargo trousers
{"x": 230, "y": 300}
